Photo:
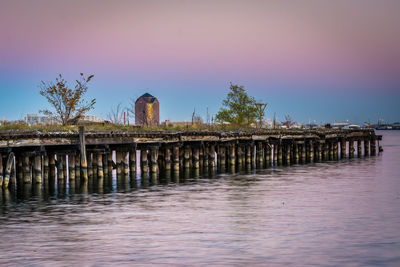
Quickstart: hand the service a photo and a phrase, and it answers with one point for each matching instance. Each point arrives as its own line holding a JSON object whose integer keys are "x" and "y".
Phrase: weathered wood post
{"x": 9, "y": 166}
{"x": 336, "y": 149}
{"x": 366, "y": 147}
{"x": 239, "y": 152}
{"x": 1, "y": 170}
{"x": 167, "y": 158}
{"x": 154, "y": 159}
{"x": 110, "y": 163}
{"x": 222, "y": 156}
{"x": 196, "y": 157}
{"x": 359, "y": 153}
{"x": 175, "y": 158}
{"x": 351, "y": 148}
{"x": 303, "y": 152}
{"x": 296, "y": 156}
{"x": 95, "y": 163}
{"x": 267, "y": 154}
{"x": 52, "y": 163}
{"x": 20, "y": 169}
{"x": 342, "y": 148}
{"x": 311, "y": 151}
{"x": 100, "y": 170}
{"x": 275, "y": 154}
{"x": 211, "y": 155}
{"x": 132, "y": 160}
{"x": 119, "y": 161}
{"x": 125, "y": 163}
{"x": 288, "y": 153}
{"x": 205, "y": 155}
{"x": 259, "y": 154}
{"x": 373, "y": 146}
{"x": 248, "y": 154}
{"x": 187, "y": 156}
{"x": 38, "y": 168}
{"x": 232, "y": 154}
{"x": 331, "y": 150}
{"x": 90, "y": 165}
{"x": 143, "y": 161}
{"x": 84, "y": 164}
{"x": 77, "y": 166}
{"x": 60, "y": 167}
{"x": 71, "y": 166}
{"x": 27, "y": 169}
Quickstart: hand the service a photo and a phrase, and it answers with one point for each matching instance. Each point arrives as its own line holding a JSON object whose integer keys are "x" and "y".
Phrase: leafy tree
{"x": 68, "y": 103}
{"x": 238, "y": 108}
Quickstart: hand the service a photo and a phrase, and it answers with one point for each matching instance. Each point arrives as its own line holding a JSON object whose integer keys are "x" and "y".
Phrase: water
{"x": 333, "y": 214}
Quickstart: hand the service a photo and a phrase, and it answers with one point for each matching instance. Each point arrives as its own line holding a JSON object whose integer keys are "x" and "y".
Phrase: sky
{"x": 315, "y": 60}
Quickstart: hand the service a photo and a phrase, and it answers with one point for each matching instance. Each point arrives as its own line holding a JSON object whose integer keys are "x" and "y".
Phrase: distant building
{"x": 90, "y": 118}
{"x": 147, "y": 111}
{"x": 34, "y": 119}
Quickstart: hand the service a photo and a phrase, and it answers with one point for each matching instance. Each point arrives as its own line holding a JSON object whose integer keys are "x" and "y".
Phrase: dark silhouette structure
{"x": 147, "y": 111}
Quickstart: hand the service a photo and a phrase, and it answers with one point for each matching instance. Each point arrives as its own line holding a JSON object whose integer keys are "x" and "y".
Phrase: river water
{"x": 343, "y": 213}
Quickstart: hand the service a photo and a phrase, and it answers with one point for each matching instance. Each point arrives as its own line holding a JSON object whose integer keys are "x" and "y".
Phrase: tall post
{"x": 143, "y": 161}
{"x": 267, "y": 154}
{"x": 259, "y": 155}
{"x": 110, "y": 163}
{"x": 120, "y": 161}
{"x": 187, "y": 156}
{"x": 71, "y": 167}
{"x": 351, "y": 148}
{"x": 1, "y": 170}
{"x": 211, "y": 155}
{"x": 167, "y": 158}
{"x": 95, "y": 164}
{"x": 132, "y": 160}
{"x": 27, "y": 169}
{"x": 52, "y": 163}
{"x": 296, "y": 153}
{"x": 303, "y": 152}
{"x": 373, "y": 146}
{"x": 82, "y": 142}
{"x": 366, "y": 147}
{"x": 331, "y": 149}
{"x": 154, "y": 160}
{"x": 175, "y": 158}
{"x": 276, "y": 154}
{"x": 342, "y": 148}
{"x": 77, "y": 166}
{"x": 311, "y": 151}
{"x": 38, "y": 168}
{"x": 288, "y": 153}
{"x": 46, "y": 167}
{"x": 222, "y": 156}
{"x": 60, "y": 167}
{"x": 359, "y": 153}
{"x": 239, "y": 152}
{"x": 100, "y": 170}
{"x": 196, "y": 157}
{"x": 125, "y": 162}
{"x": 9, "y": 166}
{"x": 232, "y": 154}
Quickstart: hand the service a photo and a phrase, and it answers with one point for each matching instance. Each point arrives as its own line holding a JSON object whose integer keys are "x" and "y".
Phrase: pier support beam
{"x": 267, "y": 154}
{"x": 84, "y": 164}
{"x": 60, "y": 167}
{"x": 186, "y": 156}
{"x": 119, "y": 161}
{"x": 342, "y": 148}
{"x": 71, "y": 166}
{"x": 259, "y": 155}
{"x": 167, "y": 158}
{"x": 296, "y": 153}
{"x": 9, "y": 167}
{"x": 289, "y": 153}
{"x": 232, "y": 155}
{"x": 373, "y": 147}
{"x": 211, "y": 155}
{"x": 154, "y": 159}
{"x": 27, "y": 169}
{"x": 38, "y": 168}
{"x": 132, "y": 160}
{"x": 100, "y": 170}
{"x": 144, "y": 161}
{"x": 359, "y": 153}
{"x": 311, "y": 144}
{"x": 196, "y": 157}
{"x": 351, "y": 148}
{"x": 175, "y": 158}
{"x": 366, "y": 147}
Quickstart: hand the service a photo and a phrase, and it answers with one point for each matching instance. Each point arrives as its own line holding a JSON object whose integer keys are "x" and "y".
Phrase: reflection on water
{"x": 343, "y": 213}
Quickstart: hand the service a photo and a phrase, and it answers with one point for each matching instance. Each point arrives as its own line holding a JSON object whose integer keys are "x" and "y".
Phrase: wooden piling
{"x": 267, "y": 154}
{"x": 95, "y": 164}
{"x": 52, "y": 166}
{"x": 46, "y": 167}
{"x": 211, "y": 155}
{"x": 187, "y": 156}
{"x": 77, "y": 166}
{"x": 351, "y": 148}
{"x": 110, "y": 163}
{"x": 60, "y": 167}
{"x": 288, "y": 153}
{"x": 167, "y": 158}
{"x": 27, "y": 169}
{"x": 38, "y": 168}
{"x": 71, "y": 166}
{"x": 154, "y": 160}
{"x": 100, "y": 170}
{"x": 259, "y": 155}
{"x": 359, "y": 153}
{"x": 84, "y": 164}
{"x": 144, "y": 161}
{"x": 342, "y": 148}
{"x": 175, "y": 158}
{"x": 1, "y": 170}
{"x": 196, "y": 157}
{"x": 119, "y": 162}
{"x": 132, "y": 160}
{"x": 373, "y": 146}
{"x": 232, "y": 154}
{"x": 366, "y": 147}
{"x": 9, "y": 167}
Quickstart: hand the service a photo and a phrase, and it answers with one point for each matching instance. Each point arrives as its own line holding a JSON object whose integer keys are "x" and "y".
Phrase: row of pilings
{"x": 26, "y": 166}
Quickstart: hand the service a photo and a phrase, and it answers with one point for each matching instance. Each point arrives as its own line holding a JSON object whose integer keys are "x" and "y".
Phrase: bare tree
{"x": 68, "y": 103}
{"x": 116, "y": 114}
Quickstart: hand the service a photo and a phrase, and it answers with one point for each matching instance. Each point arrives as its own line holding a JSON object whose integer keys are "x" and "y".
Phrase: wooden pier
{"x": 32, "y": 157}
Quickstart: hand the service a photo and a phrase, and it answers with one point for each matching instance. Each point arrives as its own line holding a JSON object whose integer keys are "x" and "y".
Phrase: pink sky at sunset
{"x": 298, "y": 45}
